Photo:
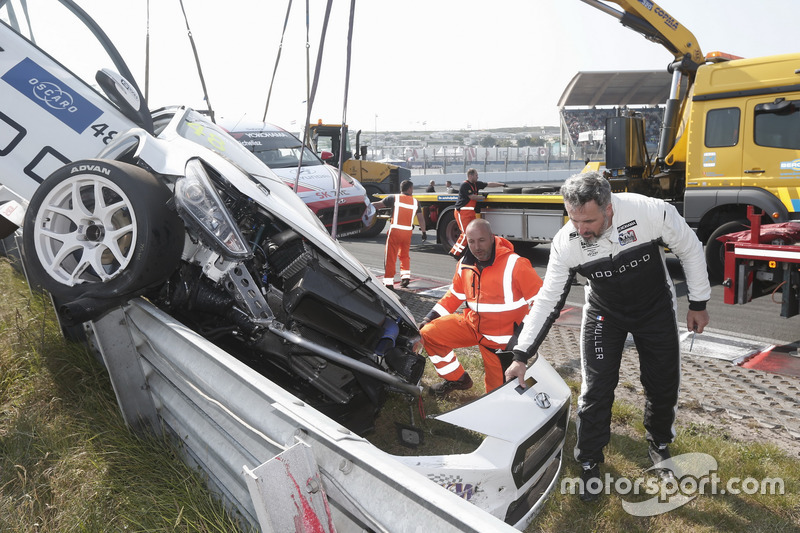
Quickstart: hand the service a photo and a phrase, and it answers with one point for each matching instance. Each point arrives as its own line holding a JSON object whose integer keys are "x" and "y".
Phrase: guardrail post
{"x": 115, "y": 344}
{"x": 288, "y": 495}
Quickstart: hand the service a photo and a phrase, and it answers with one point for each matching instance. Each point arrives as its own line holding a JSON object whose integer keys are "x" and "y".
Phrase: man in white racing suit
{"x": 617, "y": 242}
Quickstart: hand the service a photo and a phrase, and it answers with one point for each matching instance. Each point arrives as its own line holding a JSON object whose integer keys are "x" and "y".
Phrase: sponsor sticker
{"x": 791, "y": 165}
{"x": 52, "y": 95}
{"x": 627, "y": 237}
{"x": 710, "y": 159}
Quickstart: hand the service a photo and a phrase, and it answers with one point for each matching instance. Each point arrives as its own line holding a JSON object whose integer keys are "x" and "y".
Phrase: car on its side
{"x": 281, "y": 151}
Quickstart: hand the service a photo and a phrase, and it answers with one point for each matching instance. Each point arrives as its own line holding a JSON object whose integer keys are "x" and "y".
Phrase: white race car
{"x": 316, "y": 184}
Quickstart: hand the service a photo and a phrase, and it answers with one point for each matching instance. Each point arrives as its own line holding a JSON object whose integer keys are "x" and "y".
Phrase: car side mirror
{"x": 326, "y": 155}
{"x": 126, "y": 97}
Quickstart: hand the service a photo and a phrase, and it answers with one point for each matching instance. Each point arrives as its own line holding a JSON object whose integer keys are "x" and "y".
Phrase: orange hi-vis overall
{"x": 464, "y": 215}
{"x": 398, "y": 239}
{"x": 497, "y": 299}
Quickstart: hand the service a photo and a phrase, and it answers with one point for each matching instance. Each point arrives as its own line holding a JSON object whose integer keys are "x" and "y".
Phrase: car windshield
{"x": 278, "y": 149}
{"x": 199, "y": 129}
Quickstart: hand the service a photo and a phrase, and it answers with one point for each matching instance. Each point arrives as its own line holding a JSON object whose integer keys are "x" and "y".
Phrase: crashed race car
{"x": 124, "y": 202}
{"x": 219, "y": 241}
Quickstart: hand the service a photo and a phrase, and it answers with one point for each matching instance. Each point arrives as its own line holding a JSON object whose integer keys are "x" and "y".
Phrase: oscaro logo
{"x": 790, "y": 165}
{"x": 52, "y": 95}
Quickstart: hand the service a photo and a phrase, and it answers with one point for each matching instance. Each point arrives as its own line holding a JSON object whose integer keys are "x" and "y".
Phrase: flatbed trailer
{"x": 764, "y": 261}
{"x": 522, "y": 218}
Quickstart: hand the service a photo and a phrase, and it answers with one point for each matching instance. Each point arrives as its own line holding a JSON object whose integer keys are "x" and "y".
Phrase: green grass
{"x": 626, "y": 457}
{"x": 68, "y": 462}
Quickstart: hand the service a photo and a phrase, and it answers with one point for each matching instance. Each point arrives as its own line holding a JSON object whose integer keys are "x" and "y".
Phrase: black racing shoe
{"x": 446, "y": 387}
{"x": 659, "y": 453}
{"x": 404, "y": 282}
{"x": 591, "y": 485}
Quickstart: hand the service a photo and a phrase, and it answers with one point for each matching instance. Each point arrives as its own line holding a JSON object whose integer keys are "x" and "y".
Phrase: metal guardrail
{"x": 231, "y": 419}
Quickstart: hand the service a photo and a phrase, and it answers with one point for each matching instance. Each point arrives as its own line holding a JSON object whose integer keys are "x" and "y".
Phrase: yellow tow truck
{"x": 730, "y": 138}
{"x": 376, "y": 177}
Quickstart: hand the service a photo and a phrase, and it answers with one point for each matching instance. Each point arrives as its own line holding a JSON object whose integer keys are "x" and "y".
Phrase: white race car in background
{"x": 281, "y": 152}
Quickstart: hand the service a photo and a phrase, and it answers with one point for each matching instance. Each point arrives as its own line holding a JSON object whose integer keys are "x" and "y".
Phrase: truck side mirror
{"x": 363, "y": 152}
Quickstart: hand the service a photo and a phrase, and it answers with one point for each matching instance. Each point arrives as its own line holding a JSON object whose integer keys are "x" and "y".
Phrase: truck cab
{"x": 743, "y": 144}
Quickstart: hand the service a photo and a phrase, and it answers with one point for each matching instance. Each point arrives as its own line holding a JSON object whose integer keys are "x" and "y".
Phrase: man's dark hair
{"x": 406, "y": 185}
{"x": 582, "y": 188}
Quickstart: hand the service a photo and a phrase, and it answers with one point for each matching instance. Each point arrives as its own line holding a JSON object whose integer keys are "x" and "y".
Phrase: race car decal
{"x": 52, "y": 95}
{"x": 45, "y": 163}
{"x": 11, "y": 130}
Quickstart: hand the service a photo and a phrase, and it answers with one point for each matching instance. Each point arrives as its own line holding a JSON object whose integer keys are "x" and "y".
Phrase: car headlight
{"x": 198, "y": 202}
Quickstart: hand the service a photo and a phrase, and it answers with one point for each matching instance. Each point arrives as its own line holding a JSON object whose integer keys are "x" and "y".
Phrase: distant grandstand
{"x": 592, "y": 97}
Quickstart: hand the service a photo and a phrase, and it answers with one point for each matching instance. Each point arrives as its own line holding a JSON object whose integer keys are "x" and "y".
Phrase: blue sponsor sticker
{"x": 52, "y": 95}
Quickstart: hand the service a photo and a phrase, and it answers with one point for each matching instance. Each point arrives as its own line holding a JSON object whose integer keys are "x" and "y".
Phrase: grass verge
{"x": 67, "y": 460}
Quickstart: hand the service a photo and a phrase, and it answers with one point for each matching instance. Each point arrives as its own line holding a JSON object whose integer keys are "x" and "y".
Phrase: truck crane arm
{"x": 656, "y": 25}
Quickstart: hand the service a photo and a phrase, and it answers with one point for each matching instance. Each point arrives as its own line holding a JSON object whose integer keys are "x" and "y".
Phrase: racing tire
{"x": 715, "y": 250}
{"x": 374, "y": 229}
{"x": 447, "y": 231}
{"x": 512, "y": 190}
{"x": 100, "y": 231}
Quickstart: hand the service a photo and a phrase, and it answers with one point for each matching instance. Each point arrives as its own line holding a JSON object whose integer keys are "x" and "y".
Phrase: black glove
{"x": 424, "y": 236}
{"x": 423, "y": 322}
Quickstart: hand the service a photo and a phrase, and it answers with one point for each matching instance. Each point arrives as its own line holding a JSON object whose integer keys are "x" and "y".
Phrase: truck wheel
{"x": 715, "y": 250}
{"x": 447, "y": 230}
{"x": 100, "y": 229}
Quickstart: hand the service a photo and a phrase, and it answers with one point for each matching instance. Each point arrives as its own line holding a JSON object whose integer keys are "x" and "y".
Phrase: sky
{"x": 416, "y": 64}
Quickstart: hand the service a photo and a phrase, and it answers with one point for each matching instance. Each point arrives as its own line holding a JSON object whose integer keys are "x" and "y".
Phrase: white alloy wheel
{"x": 85, "y": 230}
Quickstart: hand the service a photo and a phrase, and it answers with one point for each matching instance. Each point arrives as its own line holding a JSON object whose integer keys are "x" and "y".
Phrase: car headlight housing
{"x": 200, "y": 206}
